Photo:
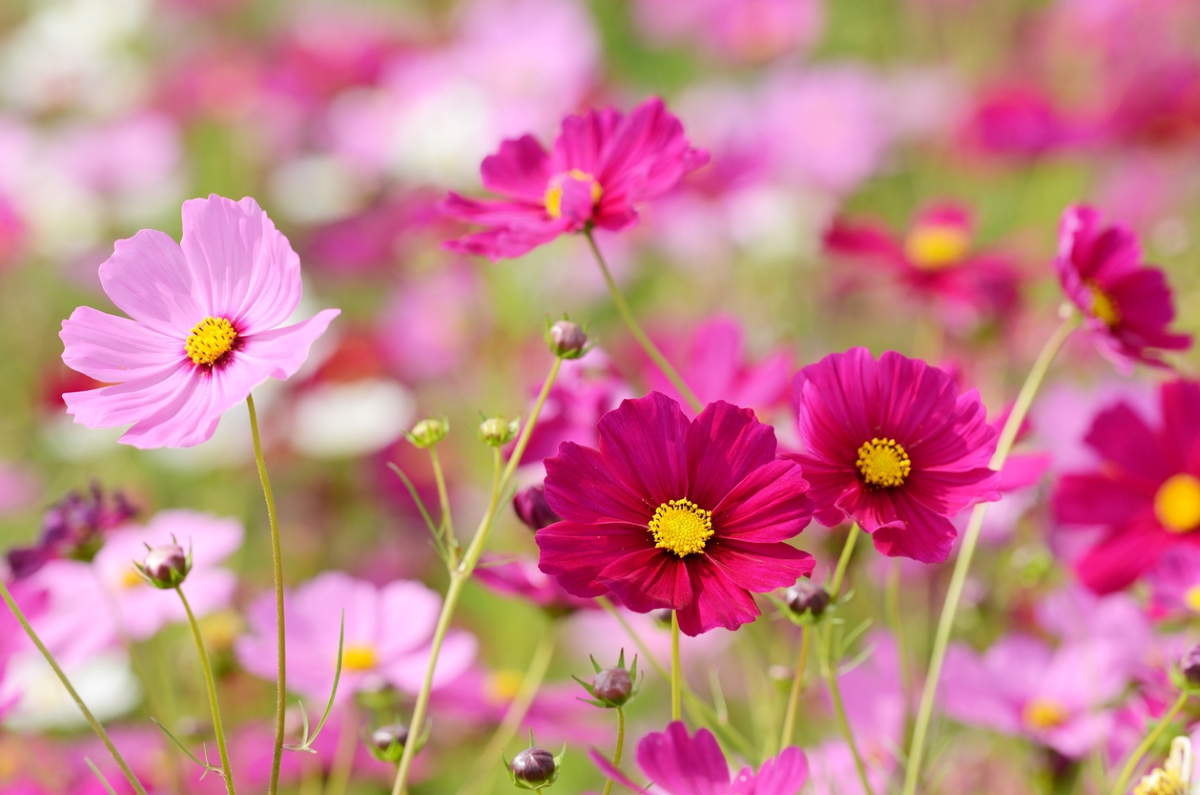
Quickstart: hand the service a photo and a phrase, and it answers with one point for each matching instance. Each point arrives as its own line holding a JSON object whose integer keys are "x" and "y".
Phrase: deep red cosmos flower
{"x": 893, "y": 446}
{"x": 602, "y": 166}
{"x": 1126, "y": 306}
{"x": 690, "y": 515}
{"x": 1146, "y": 492}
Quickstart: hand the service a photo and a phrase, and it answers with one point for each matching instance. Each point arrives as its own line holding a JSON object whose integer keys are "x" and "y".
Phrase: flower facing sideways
{"x": 203, "y": 327}
{"x": 690, "y": 515}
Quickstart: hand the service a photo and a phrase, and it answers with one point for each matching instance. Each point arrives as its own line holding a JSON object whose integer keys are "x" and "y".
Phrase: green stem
{"x": 343, "y": 759}
{"x": 460, "y": 574}
{"x": 892, "y": 610}
{"x": 277, "y": 567}
{"x": 636, "y": 329}
{"x": 789, "y": 717}
{"x": 839, "y": 574}
{"x": 829, "y": 671}
{"x": 1131, "y": 764}
{"x": 970, "y": 538}
{"x": 211, "y": 684}
{"x": 62, "y": 677}
{"x": 447, "y": 526}
{"x": 676, "y": 673}
{"x": 608, "y": 785}
{"x": 517, "y": 710}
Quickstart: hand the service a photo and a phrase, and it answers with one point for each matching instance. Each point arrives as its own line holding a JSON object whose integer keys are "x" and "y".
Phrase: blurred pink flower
{"x": 432, "y": 323}
{"x": 1057, "y": 698}
{"x": 1175, "y": 582}
{"x": 75, "y": 527}
{"x": 602, "y": 166}
{"x": 388, "y": 635}
{"x": 739, "y": 31}
{"x": 14, "y": 233}
{"x": 135, "y": 153}
{"x": 1020, "y": 121}
{"x": 204, "y": 329}
{"x": 523, "y": 579}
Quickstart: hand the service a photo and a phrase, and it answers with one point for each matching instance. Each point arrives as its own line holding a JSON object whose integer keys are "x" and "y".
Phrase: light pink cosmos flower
{"x": 739, "y": 31}
{"x": 204, "y": 330}
{"x": 388, "y": 634}
{"x": 89, "y": 607}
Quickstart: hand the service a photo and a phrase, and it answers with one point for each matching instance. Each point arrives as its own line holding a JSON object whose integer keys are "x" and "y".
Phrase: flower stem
{"x": 447, "y": 525}
{"x": 676, "y": 673}
{"x": 839, "y": 574}
{"x": 970, "y": 538}
{"x": 1131, "y": 764}
{"x": 789, "y": 717}
{"x": 829, "y": 671}
{"x": 608, "y": 785}
{"x": 62, "y": 677}
{"x": 210, "y": 683}
{"x": 896, "y": 620}
{"x": 462, "y": 572}
{"x": 636, "y": 329}
{"x": 277, "y": 566}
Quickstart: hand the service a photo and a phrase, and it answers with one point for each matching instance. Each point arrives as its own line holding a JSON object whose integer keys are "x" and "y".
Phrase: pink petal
{"x": 520, "y": 169}
{"x": 575, "y": 554}
{"x": 580, "y": 488}
{"x": 649, "y": 579}
{"x": 769, "y": 504}
{"x": 148, "y": 278}
{"x": 644, "y": 443}
{"x": 115, "y": 349}
{"x": 683, "y": 765}
{"x": 280, "y": 352}
{"x": 717, "y": 600}
{"x": 724, "y": 445}
{"x": 761, "y": 568}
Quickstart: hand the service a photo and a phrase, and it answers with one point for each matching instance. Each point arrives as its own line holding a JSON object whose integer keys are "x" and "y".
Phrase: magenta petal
{"x": 1181, "y": 418}
{"x": 580, "y": 488}
{"x": 520, "y": 169}
{"x": 644, "y": 443}
{"x": 785, "y": 774}
{"x": 916, "y": 532}
{"x": 1100, "y": 500}
{"x": 725, "y": 444}
{"x": 769, "y": 504}
{"x": 1121, "y": 558}
{"x": 612, "y": 771}
{"x": 682, "y": 765}
{"x": 575, "y": 554}
{"x": 115, "y": 349}
{"x": 649, "y": 579}
{"x": 717, "y": 600}
{"x": 148, "y": 278}
{"x": 1120, "y": 435}
{"x": 761, "y": 568}
{"x": 243, "y": 268}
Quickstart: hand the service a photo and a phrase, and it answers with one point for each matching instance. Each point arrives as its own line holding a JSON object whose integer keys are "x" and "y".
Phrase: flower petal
{"x": 649, "y": 579}
{"x": 761, "y": 568}
{"x": 785, "y": 774}
{"x": 579, "y": 487}
{"x": 906, "y": 528}
{"x": 280, "y": 352}
{"x": 769, "y": 504}
{"x": 717, "y": 601}
{"x": 724, "y": 445}
{"x": 683, "y": 765}
{"x": 115, "y": 349}
{"x": 575, "y": 554}
{"x": 148, "y": 278}
{"x": 644, "y": 443}
{"x": 520, "y": 169}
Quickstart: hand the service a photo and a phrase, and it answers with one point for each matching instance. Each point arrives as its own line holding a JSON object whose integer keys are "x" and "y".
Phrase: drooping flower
{"x": 682, "y": 765}
{"x": 602, "y": 166}
{"x": 523, "y": 579}
{"x": 1145, "y": 495}
{"x": 75, "y": 528}
{"x": 387, "y": 641}
{"x": 205, "y": 327}
{"x": 1126, "y": 306}
{"x": 893, "y": 446}
{"x": 690, "y": 515}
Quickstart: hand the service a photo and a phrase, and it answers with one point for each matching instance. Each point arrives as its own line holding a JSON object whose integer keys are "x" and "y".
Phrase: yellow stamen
{"x": 211, "y": 339}
{"x": 1103, "y": 305}
{"x": 1161, "y": 782}
{"x": 1191, "y": 598}
{"x": 555, "y": 191}
{"x": 132, "y": 578}
{"x": 937, "y": 246}
{"x": 1042, "y": 713}
{"x": 501, "y": 687}
{"x": 883, "y": 463}
{"x": 358, "y": 658}
{"x": 681, "y": 526}
{"x": 1177, "y": 503}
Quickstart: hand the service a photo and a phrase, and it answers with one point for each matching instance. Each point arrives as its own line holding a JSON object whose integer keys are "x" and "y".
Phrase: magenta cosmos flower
{"x": 689, "y": 515}
{"x": 893, "y": 446}
{"x": 205, "y": 327}
{"x": 1145, "y": 495}
{"x": 1126, "y": 306}
{"x": 603, "y": 164}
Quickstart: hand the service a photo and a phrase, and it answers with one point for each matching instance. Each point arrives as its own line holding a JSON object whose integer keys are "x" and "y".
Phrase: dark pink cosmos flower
{"x": 681, "y": 765}
{"x": 1126, "y": 305}
{"x": 603, "y": 164}
{"x": 690, "y": 515}
{"x": 523, "y": 579}
{"x": 1020, "y": 121}
{"x": 1145, "y": 495}
{"x": 935, "y": 261}
{"x": 893, "y": 446}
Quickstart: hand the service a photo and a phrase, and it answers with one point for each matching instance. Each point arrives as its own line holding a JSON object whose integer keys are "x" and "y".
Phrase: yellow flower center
{"x": 358, "y": 658}
{"x": 501, "y": 687}
{"x": 1177, "y": 503}
{"x": 936, "y": 246}
{"x": 883, "y": 463}
{"x": 681, "y": 526}
{"x": 1161, "y": 782}
{"x": 554, "y": 192}
{"x": 211, "y": 339}
{"x": 1042, "y": 713}
{"x": 1103, "y": 305}
{"x": 132, "y": 578}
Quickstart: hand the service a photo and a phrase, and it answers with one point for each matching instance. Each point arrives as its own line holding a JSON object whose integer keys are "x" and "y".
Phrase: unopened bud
{"x": 662, "y": 616}
{"x": 532, "y": 508}
{"x": 613, "y": 686}
{"x": 427, "y": 433}
{"x": 1189, "y": 666}
{"x": 534, "y": 768}
{"x": 497, "y": 432}
{"x": 387, "y": 742}
{"x": 807, "y": 596}
{"x": 166, "y": 566}
{"x": 567, "y": 340}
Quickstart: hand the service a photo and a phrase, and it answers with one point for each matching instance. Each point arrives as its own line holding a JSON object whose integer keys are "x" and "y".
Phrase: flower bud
{"x": 1189, "y": 666}
{"x": 807, "y": 596}
{"x": 534, "y": 768}
{"x": 166, "y": 566}
{"x": 661, "y": 616}
{"x": 497, "y": 432}
{"x": 427, "y": 433}
{"x": 613, "y": 686}
{"x": 532, "y": 508}
{"x": 387, "y": 742}
{"x": 566, "y": 340}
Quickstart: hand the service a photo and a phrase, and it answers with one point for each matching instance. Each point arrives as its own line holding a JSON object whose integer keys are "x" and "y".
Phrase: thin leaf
{"x": 337, "y": 676}
{"x": 107, "y": 787}
{"x": 208, "y": 768}
{"x": 412, "y": 490}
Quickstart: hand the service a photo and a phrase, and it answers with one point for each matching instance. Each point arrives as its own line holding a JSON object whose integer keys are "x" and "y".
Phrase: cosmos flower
{"x": 1126, "y": 306}
{"x": 204, "y": 330}
{"x": 1145, "y": 495}
{"x": 74, "y": 528}
{"x": 690, "y": 515}
{"x": 388, "y": 635}
{"x": 602, "y": 166}
{"x": 893, "y": 446}
{"x": 523, "y": 579}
